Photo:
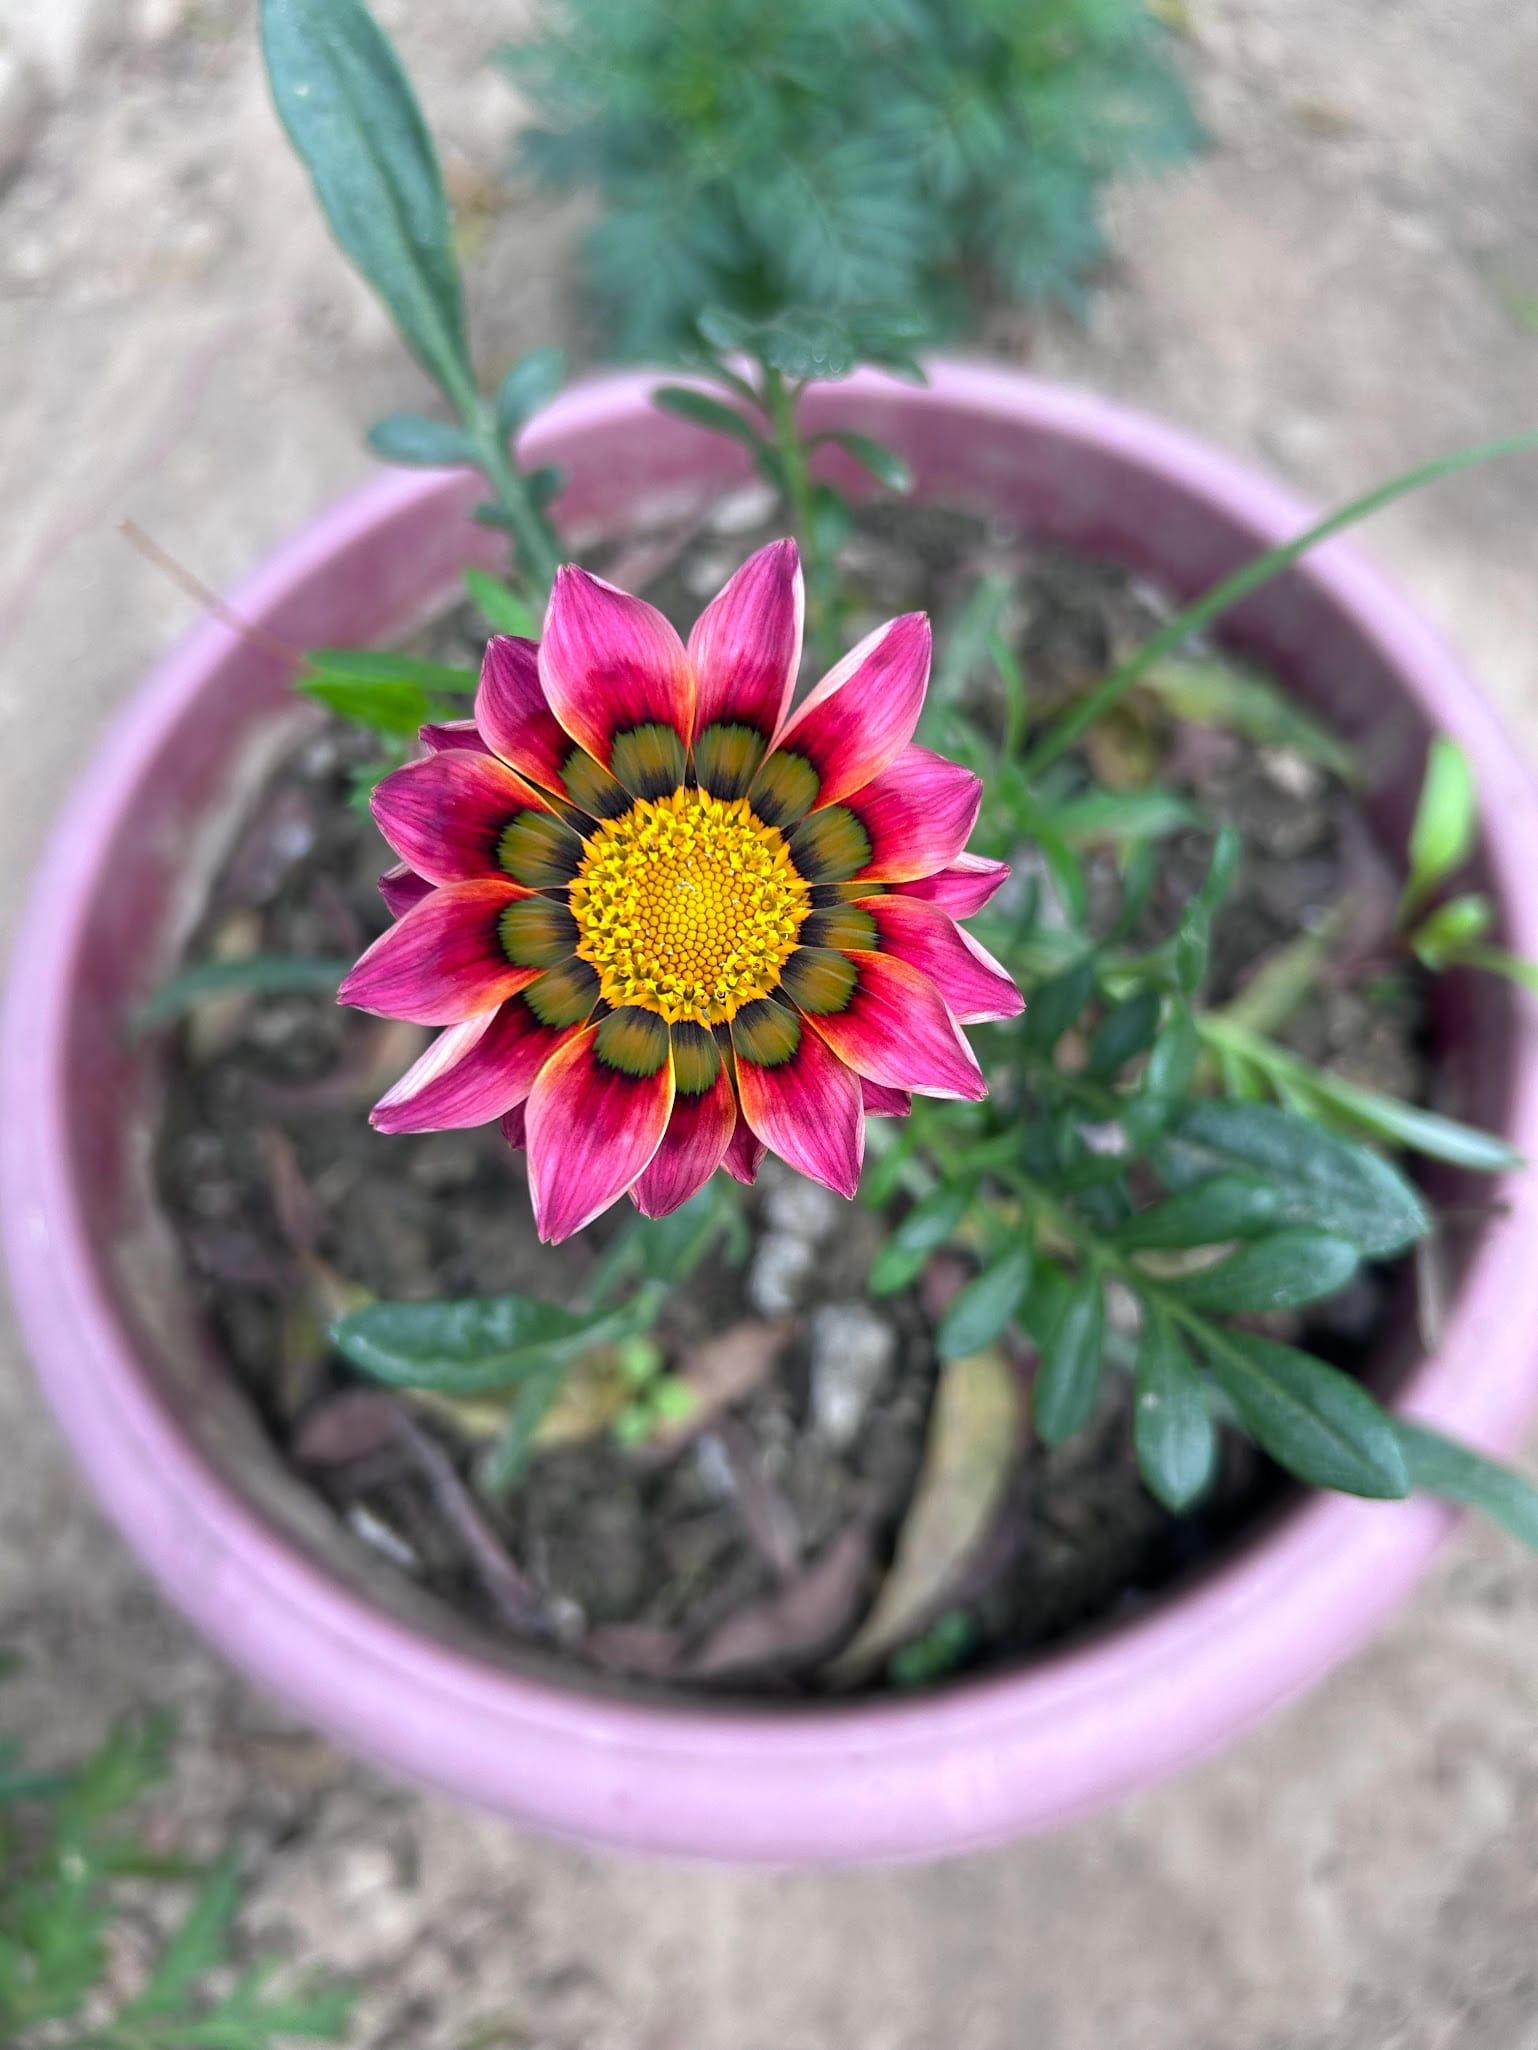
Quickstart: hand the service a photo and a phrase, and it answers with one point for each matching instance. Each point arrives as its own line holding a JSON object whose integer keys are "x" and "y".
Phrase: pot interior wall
{"x": 384, "y": 576}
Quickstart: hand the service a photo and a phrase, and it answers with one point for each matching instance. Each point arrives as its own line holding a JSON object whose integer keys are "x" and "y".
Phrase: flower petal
{"x": 596, "y": 1115}
{"x": 472, "y": 1073}
{"x": 443, "y": 960}
{"x": 800, "y": 1099}
{"x": 745, "y": 1155}
{"x": 746, "y": 650}
{"x": 963, "y": 888}
{"x": 910, "y": 820}
{"x": 975, "y": 987}
{"x": 858, "y": 719}
{"x": 881, "y": 1102}
{"x": 700, "y": 1129}
{"x": 515, "y": 1125}
{"x": 401, "y": 887}
{"x": 892, "y": 1027}
{"x": 448, "y": 734}
{"x": 458, "y": 815}
{"x": 513, "y": 715}
{"x": 616, "y": 676}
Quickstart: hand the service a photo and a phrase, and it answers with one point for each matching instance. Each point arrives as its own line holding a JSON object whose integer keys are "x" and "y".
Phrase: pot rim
{"x": 977, "y": 1762}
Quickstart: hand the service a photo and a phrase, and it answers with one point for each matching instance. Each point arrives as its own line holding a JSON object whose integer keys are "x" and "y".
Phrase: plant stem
{"x": 538, "y": 552}
{"x": 779, "y": 402}
{"x": 1095, "y": 704}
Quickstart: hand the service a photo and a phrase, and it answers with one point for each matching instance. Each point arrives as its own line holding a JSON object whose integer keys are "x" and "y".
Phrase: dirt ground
{"x": 1346, "y": 283}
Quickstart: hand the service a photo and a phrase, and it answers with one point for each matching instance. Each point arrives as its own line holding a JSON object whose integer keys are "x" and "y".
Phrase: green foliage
{"x": 67, "y": 1850}
{"x": 844, "y": 165}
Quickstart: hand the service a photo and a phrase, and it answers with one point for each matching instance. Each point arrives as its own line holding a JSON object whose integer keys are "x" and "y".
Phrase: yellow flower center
{"x": 688, "y": 906}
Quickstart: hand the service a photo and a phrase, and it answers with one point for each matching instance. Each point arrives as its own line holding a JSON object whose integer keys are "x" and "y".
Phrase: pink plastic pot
{"x": 255, "y": 1566}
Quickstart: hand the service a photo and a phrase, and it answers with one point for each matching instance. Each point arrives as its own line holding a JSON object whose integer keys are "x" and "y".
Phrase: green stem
{"x": 538, "y": 551}
{"x": 779, "y": 402}
{"x": 1094, "y": 706}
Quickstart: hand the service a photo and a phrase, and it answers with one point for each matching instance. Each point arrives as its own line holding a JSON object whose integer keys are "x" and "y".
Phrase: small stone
{"x": 852, "y": 1350}
{"x": 781, "y": 1268}
{"x": 20, "y": 106}
{"x": 1291, "y": 772}
{"x": 740, "y": 512}
{"x": 798, "y": 1207}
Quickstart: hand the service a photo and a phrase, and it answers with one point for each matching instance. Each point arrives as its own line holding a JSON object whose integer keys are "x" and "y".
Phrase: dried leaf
{"x": 974, "y": 1440}
{"x": 767, "y": 1518}
{"x": 353, "y": 1425}
{"x": 796, "y": 1626}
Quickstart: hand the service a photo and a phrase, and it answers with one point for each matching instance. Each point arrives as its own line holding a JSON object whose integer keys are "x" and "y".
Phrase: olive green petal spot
{"x": 696, "y": 1058}
{"x": 539, "y": 850}
{"x": 844, "y": 925}
{"x": 537, "y": 932}
{"x": 726, "y": 757}
{"x": 633, "y": 1041}
{"x": 591, "y": 788}
{"x": 766, "y": 1033}
{"x": 819, "y": 981}
{"x": 648, "y": 760}
{"x": 565, "y": 996}
{"x": 830, "y": 846}
{"x": 785, "y": 789}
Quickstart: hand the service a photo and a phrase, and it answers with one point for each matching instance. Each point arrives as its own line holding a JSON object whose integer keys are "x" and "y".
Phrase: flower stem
{"x": 779, "y": 402}
{"x": 537, "y": 550}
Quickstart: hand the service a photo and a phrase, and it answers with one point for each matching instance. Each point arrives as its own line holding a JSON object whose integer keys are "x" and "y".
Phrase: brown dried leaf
{"x": 796, "y": 1626}
{"x": 974, "y": 1440}
{"x": 353, "y": 1425}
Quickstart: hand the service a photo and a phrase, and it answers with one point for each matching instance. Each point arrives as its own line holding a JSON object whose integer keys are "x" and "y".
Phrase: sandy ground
{"x": 1347, "y": 283}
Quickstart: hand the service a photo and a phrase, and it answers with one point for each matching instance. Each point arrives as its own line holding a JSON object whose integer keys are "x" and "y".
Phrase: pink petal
{"x": 919, "y": 814}
{"x": 746, "y": 645}
{"x": 512, "y": 712}
{"x": 448, "y": 734}
{"x": 745, "y": 1155}
{"x": 515, "y": 1126}
{"x": 443, "y": 961}
{"x": 592, "y": 1128}
{"x": 963, "y": 888}
{"x": 445, "y": 815}
{"x": 611, "y": 663}
{"x": 401, "y": 887}
{"x": 807, "y": 1109}
{"x": 896, "y": 1030}
{"x": 884, "y": 1103}
{"x": 862, "y": 715}
{"x": 472, "y": 1073}
{"x": 975, "y": 987}
{"x": 693, "y": 1147}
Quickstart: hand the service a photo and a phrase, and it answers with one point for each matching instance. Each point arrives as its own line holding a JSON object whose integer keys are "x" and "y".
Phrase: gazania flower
{"x": 669, "y": 923}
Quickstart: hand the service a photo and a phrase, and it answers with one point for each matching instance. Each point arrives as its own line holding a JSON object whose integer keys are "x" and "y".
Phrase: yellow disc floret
{"x": 688, "y": 906}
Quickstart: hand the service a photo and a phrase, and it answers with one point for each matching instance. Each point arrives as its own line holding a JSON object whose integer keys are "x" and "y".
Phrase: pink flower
{"x": 669, "y": 923}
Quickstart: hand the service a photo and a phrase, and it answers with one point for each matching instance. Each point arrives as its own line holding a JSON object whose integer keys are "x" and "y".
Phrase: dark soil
{"x": 744, "y": 1547}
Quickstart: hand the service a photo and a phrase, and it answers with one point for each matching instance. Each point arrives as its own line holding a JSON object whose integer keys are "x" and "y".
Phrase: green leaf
{"x": 1112, "y": 817}
{"x": 385, "y": 665}
{"x": 1072, "y": 1362}
{"x": 1446, "y": 822}
{"x": 964, "y": 648}
{"x": 701, "y": 410}
{"x": 545, "y": 484}
{"x": 1444, "y": 933}
{"x": 1172, "y": 1428}
{"x": 382, "y": 704}
{"x": 1282, "y": 1272}
{"x": 1406, "y": 1124}
{"x": 1311, "y": 1418}
{"x": 196, "y": 1947}
{"x": 503, "y": 609}
{"x": 506, "y": 1462}
{"x": 1217, "y": 692}
{"x": 923, "y": 1231}
{"x": 1052, "y": 1006}
{"x": 260, "y": 975}
{"x": 1335, "y": 1184}
{"x": 409, "y": 438}
{"x": 478, "y": 1345}
{"x": 351, "y": 116}
{"x": 1228, "y": 1206}
{"x": 1496, "y": 961}
{"x": 832, "y": 519}
{"x": 1123, "y": 1033}
{"x": 528, "y": 387}
{"x": 1441, "y": 1466}
{"x": 884, "y": 464}
{"x": 983, "y": 1310}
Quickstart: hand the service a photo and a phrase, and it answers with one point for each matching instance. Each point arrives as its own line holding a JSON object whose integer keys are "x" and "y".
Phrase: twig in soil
{"x": 797, "y": 1626}
{"x": 767, "y": 1519}
{"x": 204, "y": 595}
{"x": 510, "y": 1594}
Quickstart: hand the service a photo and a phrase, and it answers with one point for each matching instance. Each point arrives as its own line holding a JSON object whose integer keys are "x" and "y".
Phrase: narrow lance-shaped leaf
{"x": 474, "y": 1346}
{"x": 354, "y": 121}
{"x": 411, "y": 439}
{"x": 1441, "y": 1466}
{"x": 1446, "y": 820}
{"x": 528, "y": 387}
{"x": 1312, "y": 1419}
{"x": 983, "y": 1310}
{"x": 1282, "y": 1272}
{"x": 1172, "y": 1427}
{"x": 1072, "y": 1363}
